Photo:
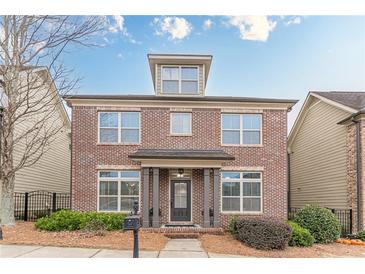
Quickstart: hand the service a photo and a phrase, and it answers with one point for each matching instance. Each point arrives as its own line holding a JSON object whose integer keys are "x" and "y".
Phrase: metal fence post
{"x": 54, "y": 201}
{"x": 350, "y": 221}
{"x": 26, "y": 206}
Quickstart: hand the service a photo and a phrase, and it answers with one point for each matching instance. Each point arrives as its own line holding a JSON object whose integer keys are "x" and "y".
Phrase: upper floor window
{"x": 180, "y": 123}
{"x": 241, "y": 129}
{"x": 119, "y": 127}
{"x": 180, "y": 79}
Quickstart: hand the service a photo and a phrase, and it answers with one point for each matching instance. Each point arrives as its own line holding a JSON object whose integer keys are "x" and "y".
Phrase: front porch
{"x": 185, "y": 188}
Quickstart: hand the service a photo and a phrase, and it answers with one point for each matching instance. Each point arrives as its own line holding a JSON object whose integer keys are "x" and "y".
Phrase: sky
{"x": 253, "y": 56}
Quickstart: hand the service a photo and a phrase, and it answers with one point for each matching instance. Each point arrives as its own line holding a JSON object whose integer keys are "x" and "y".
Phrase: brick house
{"x": 326, "y": 154}
{"x": 198, "y": 159}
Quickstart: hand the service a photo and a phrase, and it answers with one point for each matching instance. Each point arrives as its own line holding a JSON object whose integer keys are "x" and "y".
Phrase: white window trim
{"x": 241, "y": 130}
{"x": 118, "y": 179}
{"x": 240, "y": 180}
{"x": 180, "y": 80}
{"x": 120, "y": 113}
{"x": 191, "y": 126}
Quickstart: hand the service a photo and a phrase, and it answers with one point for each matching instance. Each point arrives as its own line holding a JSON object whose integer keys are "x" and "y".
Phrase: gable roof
{"x": 349, "y": 101}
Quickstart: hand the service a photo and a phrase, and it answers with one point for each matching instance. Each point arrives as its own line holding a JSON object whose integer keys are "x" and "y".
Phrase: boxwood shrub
{"x": 68, "y": 220}
{"x": 321, "y": 223}
{"x": 300, "y": 236}
{"x": 263, "y": 233}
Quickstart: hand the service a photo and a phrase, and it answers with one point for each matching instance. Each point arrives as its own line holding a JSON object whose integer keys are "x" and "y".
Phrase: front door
{"x": 181, "y": 200}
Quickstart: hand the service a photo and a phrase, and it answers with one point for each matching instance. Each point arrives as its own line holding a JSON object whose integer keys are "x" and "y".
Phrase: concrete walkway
{"x": 175, "y": 248}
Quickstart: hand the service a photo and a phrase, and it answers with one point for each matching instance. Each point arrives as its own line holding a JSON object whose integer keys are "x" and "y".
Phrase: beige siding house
{"x": 322, "y": 152}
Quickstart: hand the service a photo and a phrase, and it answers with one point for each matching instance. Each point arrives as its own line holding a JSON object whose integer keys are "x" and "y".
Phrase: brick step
{"x": 184, "y": 231}
{"x": 182, "y": 235}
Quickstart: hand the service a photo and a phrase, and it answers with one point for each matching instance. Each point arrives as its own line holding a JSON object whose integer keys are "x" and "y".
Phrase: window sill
{"x": 118, "y": 144}
{"x": 180, "y": 135}
{"x": 242, "y": 213}
{"x": 236, "y": 145}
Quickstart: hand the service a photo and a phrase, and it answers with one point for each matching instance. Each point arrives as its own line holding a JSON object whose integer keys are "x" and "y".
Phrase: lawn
{"x": 25, "y": 233}
{"x": 226, "y": 244}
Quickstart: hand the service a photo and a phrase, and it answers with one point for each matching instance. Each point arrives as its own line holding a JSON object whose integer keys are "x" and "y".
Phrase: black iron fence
{"x": 343, "y": 215}
{"x": 30, "y": 206}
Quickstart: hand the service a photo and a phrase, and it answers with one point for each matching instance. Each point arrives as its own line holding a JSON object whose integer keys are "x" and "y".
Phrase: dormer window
{"x": 180, "y": 79}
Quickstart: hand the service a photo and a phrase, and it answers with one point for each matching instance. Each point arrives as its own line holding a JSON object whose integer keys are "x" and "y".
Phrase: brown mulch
{"x": 25, "y": 233}
{"x": 226, "y": 244}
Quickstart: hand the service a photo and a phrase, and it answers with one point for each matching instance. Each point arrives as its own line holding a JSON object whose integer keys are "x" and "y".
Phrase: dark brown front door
{"x": 181, "y": 200}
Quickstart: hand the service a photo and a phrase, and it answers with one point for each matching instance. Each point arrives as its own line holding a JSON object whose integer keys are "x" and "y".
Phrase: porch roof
{"x": 181, "y": 154}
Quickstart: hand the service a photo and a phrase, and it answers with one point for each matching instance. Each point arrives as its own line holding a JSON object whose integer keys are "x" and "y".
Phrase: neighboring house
{"x": 325, "y": 153}
{"x": 198, "y": 159}
{"x": 52, "y": 171}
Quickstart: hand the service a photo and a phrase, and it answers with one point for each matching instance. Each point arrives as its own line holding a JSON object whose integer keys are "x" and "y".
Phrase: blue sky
{"x": 259, "y": 56}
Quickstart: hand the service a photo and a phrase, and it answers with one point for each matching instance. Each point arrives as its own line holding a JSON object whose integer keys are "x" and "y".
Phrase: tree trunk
{"x": 7, "y": 202}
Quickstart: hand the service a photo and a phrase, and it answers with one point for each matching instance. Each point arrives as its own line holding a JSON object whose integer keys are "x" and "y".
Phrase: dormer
{"x": 179, "y": 74}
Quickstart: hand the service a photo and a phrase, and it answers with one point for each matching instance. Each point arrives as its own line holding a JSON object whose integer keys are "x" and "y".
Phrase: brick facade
{"x": 87, "y": 156}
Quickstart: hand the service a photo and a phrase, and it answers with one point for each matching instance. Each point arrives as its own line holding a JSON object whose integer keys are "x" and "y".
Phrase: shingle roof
{"x": 355, "y": 100}
{"x": 181, "y": 154}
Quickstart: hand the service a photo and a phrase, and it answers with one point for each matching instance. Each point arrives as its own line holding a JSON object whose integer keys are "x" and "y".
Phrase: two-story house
{"x": 198, "y": 159}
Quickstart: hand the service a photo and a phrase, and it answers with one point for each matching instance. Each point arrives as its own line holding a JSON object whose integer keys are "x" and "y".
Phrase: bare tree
{"x": 32, "y": 76}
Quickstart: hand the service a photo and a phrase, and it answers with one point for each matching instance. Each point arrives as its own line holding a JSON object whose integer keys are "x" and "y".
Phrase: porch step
{"x": 184, "y": 231}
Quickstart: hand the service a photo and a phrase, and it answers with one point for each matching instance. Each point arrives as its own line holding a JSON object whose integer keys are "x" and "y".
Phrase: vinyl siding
{"x": 318, "y": 158}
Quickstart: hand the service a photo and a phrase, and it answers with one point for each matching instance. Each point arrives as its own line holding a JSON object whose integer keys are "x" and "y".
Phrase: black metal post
{"x": 135, "y": 243}
{"x": 54, "y": 201}
{"x": 26, "y": 206}
{"x": 1, "y": 233}
{"x": 350, "y": 221}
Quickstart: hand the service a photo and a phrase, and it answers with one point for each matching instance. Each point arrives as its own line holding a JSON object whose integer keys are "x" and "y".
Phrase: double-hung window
{"x": 241, "y": 192}
{"x": 180, "y": 123}
{"x": 118, "y": 190}
{"x": 241, "y": 129}
{"x": 119, "y": 127}
{"x": 180, "y": 79}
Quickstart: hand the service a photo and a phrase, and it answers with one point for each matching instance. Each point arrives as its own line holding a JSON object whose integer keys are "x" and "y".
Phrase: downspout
{"x": 289, "y": 193}
{"x": 358, "y": 172}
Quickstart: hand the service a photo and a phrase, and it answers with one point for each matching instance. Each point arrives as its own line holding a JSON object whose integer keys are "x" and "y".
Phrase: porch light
{"x": 180, "y": 172}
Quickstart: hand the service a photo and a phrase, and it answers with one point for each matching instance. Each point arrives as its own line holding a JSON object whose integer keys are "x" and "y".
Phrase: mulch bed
{"x": 226, "y": 244}
{"x": 25, "y": 233}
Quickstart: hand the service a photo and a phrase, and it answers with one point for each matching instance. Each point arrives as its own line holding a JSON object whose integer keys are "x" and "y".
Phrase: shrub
{"x": 361, "y": 235}
{"x": 74, "y": 220}
{"x": 263, "y": 233}
{"x": 232, "y": 226}
{"x": 300, "y": 236}
{"x": 95, "y": 227}
{"x": 321, "y": 223}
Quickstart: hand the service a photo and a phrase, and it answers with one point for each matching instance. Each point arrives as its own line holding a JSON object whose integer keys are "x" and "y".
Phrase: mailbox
{"x": 131, "y": 222}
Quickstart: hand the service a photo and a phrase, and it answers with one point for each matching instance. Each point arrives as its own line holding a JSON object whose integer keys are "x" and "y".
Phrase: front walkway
{"x": 175, "y": 248}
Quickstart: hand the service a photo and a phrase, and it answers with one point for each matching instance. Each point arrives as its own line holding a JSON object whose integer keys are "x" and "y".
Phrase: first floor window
{"x": 241, "y": 191}
{"x": 118, "y": 190}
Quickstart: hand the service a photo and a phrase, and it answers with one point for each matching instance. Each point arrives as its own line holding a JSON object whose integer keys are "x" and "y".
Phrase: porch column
{"x": 155, "y": 197}
{"x": 146, "y": 196}
{"x": 216, "y": 198}
{"x": 206, "y": 198}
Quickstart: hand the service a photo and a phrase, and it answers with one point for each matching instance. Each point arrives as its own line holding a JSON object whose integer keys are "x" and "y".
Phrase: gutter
{"x": 358, "y": 170}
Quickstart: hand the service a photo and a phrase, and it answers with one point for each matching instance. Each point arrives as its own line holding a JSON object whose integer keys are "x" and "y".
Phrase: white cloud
{"x": 120, "y": 56}
{"x": 254, "y": 28}
{"x": 293, "y": 21}
{"x": 117, "y": 26}
{"x": 207, "y": 24}
{"x": 177, "y": 28}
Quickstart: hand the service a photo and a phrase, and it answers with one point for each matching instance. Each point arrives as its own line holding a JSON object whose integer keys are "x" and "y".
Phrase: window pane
{"x": 129, "y": 188}
{"x": 108, "y": 203}
{"x": 231, "y": 137}
{"x": 180, "y": 195}
{"x": 170, "y": 86}
{"x": 230, "y": 175}
{"x": 181, "y": 123}
{"x": 170, "y": 73}
{"x": 252, "y": 175}
{"x": 255, "y": 189}
{"x": 130, "y": 174}
{"x": 108, "y": 188}
{"x": 246, "y": 189}
{"x": 251, "y": 137}
{"x": 231, "y": 204}
{"x": 231, "y": 189}
{"x": 126, "y": 203}
{"x": 189, "y": 87}
{"x": 251, "y": 204}
{"x": 130, "y": 119}
{"x": 252, "y": 121}
{"x": 230, "y": 121}
{"x": 189, "y": 73}
{"x": 108, "y": 174}
{"x": 130, "y": 135}
{"x": 108, "y": 135}
{"x": 108, "y": 119}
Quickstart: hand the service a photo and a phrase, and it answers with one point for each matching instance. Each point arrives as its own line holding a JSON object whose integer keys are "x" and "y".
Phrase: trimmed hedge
{"x": 321, "y": 223}
{"x": 361, "y": 235}
{"x": 232, "y": 226}
{"x": 68, "y": 220}
{"x": 300, "y": 236}
{"x": 263, "y": 233}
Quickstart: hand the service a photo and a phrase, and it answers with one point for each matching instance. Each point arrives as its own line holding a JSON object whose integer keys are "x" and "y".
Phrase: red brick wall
{"x": 155, "y": 133}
